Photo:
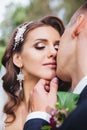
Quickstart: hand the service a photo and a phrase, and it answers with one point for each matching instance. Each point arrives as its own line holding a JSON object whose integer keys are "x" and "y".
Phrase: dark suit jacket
{"x": 77, "y": 120}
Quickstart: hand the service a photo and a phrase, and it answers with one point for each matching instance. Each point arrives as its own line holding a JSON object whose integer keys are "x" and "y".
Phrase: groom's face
{"x": 72, "y": 47}
{"x": 65, "y": 56}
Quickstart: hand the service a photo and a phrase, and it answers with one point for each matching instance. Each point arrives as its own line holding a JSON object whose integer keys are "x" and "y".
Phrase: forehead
{"x": 41, "y": 31}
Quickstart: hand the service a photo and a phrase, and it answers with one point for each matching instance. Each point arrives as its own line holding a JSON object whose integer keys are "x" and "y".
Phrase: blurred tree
{"x": 16, "y": 14}
{"x": 36, "y": 9}
{"x": 71, "y": 8}
{"x": 6, "y": 26}
{"x": 66, "y": 8}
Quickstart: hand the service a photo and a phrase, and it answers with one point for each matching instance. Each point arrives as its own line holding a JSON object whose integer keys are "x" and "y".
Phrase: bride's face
{"x": 39, "y": 53}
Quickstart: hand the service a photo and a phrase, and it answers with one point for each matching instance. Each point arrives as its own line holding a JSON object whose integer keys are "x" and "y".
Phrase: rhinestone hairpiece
{"x": 19, "y": 35}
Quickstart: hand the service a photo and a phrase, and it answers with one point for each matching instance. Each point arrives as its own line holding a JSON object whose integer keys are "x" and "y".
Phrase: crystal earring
{"x": 20, "y": 78}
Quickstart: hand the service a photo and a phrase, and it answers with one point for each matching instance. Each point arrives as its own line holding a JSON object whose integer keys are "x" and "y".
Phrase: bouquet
{"x": 66, "y": 103}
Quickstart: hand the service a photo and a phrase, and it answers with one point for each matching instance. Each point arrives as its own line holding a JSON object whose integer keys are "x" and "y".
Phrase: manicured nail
{"x": 55, "y": 80}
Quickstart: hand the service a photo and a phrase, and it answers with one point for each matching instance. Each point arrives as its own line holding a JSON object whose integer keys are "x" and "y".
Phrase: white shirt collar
{"x": 81, "y": 85}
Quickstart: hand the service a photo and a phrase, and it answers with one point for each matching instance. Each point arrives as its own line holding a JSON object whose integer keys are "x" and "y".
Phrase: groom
{"x": 72, "y": 67}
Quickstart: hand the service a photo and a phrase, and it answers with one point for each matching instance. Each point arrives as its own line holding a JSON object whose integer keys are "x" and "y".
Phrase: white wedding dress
{"x": 3, "y": 100}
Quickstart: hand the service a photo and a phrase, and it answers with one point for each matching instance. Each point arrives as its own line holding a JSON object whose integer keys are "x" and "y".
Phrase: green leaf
{"x": 46, "y": 127}
{"x": 67, "y": 100}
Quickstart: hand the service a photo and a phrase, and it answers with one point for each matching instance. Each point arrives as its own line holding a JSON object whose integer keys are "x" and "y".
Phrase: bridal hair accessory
{"x": 19, "y": 35}
{"x": 20, "y": 78}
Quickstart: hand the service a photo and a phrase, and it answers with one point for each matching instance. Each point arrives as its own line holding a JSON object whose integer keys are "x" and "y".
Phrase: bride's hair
{"x": 15, "y": 45}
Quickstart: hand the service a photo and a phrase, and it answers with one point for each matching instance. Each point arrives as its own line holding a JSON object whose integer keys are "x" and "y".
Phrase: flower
{"x": 66, "y": 103}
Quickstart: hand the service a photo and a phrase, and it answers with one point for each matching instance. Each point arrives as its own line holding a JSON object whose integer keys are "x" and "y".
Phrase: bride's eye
{"x": 56, "y": 47}
{"x": 40, "y": 46}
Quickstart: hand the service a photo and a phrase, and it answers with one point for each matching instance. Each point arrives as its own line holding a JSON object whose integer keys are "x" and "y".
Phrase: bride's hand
{"x": 43, "y": 97}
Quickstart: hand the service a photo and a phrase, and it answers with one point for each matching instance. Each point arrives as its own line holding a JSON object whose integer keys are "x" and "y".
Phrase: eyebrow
{"x": 41, "y": 40}
{"x": 44, "y": 40}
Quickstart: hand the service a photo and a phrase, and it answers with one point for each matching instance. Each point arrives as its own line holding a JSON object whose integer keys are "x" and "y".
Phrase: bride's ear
{"x": 78, "y": 25}
{"x": 17, "y": 60}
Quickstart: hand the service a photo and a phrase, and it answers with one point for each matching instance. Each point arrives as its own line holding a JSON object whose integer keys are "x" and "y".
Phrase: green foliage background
{"x": 2, "y": 49}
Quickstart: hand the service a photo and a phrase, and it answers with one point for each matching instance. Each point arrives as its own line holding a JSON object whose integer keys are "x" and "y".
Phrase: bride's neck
{"x": 28, "y": 87}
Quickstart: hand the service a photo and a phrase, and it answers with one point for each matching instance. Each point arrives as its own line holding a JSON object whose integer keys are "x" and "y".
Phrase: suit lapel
{"x": 83, "y": 95}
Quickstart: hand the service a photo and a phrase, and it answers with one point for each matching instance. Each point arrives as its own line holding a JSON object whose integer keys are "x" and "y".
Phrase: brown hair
{"x": 10, "y": 83}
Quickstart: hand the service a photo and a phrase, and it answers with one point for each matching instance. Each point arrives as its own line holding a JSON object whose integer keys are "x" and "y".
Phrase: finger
{"x": 54, "y": 86}
{"x": 47, "y": 82}
{"x": 40, "y": 85}
{"x": 30, "y": 101}
{"x": 31, "y": 92}
{"x": 47, "y": 88}
{"x": 30, "y": 96}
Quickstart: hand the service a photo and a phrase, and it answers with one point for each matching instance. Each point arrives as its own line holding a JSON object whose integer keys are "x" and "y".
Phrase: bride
{"x": 29, "y": 56}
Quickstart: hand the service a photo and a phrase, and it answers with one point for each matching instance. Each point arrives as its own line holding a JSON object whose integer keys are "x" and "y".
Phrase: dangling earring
{"x": 20, "y": 78}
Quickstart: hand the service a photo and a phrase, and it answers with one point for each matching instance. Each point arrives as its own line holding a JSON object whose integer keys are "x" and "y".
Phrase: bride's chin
{"x": 49, "y": 78}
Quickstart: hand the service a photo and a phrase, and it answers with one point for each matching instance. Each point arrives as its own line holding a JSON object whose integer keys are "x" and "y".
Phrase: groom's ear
{"x": 78, "y": 25}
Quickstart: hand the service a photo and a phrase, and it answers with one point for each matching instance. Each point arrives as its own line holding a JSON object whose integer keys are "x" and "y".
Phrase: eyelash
{"x": 43, "y": 46}
{"x": 56, "y": 49}
{"x": 40, "y": 48}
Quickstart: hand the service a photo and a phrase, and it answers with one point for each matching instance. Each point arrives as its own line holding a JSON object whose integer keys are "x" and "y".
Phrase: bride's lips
{"x": 50, "y": 64}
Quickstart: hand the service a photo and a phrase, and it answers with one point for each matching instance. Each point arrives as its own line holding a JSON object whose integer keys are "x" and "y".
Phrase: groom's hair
{"x": 81, "y": 10}
{"x": 84, "y": 6}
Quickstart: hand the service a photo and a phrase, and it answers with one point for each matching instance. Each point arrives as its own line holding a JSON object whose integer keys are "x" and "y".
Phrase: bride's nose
{"x": 52, "y": 52}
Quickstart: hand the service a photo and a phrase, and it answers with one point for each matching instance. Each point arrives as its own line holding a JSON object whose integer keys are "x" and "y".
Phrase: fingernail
{"x": 55, "y": 80}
